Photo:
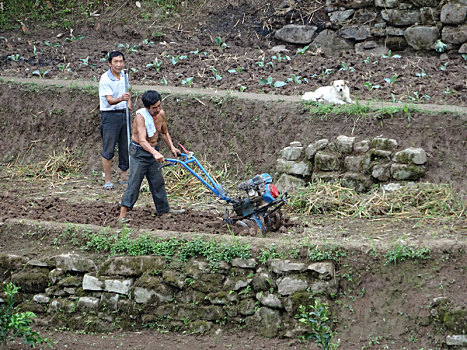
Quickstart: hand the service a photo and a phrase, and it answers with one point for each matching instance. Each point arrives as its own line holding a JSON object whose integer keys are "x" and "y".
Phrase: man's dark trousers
{"x": 144, "y": 164}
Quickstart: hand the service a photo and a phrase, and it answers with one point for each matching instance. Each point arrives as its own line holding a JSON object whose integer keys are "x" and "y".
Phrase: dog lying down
{"x": 338, "y": 93}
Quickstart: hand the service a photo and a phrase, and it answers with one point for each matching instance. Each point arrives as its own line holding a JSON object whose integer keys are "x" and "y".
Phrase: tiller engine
{"x": 259, "y": 208}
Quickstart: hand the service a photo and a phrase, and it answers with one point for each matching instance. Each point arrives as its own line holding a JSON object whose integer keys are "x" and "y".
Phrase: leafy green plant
{"x": 122, "y": 243}
{"x": 148, "y": 42}
{"x": 15, "y": 57}
{"x": 236, "y": 70}
{"x": 15, "y": 324}
{"x": 74, "y": 38}
{"x": 156, "y": 64}
{"x": 270, "y": 81}
{"x": 48, "y": 43}
{"x": 440, "y": 46}
{"x": 296, "y": 79}
{"x": 444, "y": 66}
{"x": 318, "y": 319}
{"x": 217, "y": 76}
{"x": 173, "y": 59}
{"x": 62, "y": 67}
{"x": 280, "y": 58}
{"x": 418, "y": 97}
{"x": 389, "y": 55}
{"x": 370, "y": 85}
{"x": 176, "y": 59}
{"x": 128, "y": 48}
{"x": 448, "y": 91}
{"x": 269, "y": 253}
{"x": 242, "y": 88}
{"x": 164, "y": 81}
{"x": 263, "y": 64}
{"x": 391, "y": 80}
{"x": 40, "y": 73}
{"x": 188, "y": 81}
{"x": 220, "y": 43}
{"x": 84, "y": 61}
{"x": 35, "y": 51}
{"x": 402, "y": 252}
{"x": 301, "y": 51}
{"x": 464, "y": 56}
{"x": 316, "y": 253}
{"x": 345, "y": 67}
{"x": 198, "y": 52}
{"x": 421, "y": 74}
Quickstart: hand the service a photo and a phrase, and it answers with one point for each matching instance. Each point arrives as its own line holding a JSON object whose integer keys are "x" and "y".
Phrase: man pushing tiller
{"x": 145, "y": 159}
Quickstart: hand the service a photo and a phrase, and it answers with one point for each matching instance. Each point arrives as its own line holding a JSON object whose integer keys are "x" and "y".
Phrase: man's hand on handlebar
{"x": 175, "y": 151}
{"x": 159, "y": 157}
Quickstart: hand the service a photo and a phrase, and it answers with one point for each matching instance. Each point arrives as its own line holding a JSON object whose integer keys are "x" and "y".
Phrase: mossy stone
{"x": 71, "y": 281}
{"x": 456, "y": 319}
{"x": 31, "y": 281}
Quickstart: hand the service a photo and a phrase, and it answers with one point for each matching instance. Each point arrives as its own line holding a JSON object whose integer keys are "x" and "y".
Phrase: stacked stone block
{"x": 132, "y": 291}
{"x": 376, "y": 26}
{"x": 356, "y": 164}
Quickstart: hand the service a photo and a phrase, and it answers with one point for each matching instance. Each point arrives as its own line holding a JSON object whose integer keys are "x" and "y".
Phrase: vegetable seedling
{"x": 301, "y": 51}
{"x": 187, "y": 81}
{"x": 156, "y": 64}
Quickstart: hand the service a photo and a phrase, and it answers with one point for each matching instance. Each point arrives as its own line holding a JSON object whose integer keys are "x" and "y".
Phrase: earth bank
{"x": 245, "y": 135}
{"x": 389, "y": 304}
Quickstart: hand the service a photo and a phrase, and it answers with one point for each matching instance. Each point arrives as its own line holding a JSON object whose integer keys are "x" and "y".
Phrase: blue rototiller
{"x": 259, "y": 209}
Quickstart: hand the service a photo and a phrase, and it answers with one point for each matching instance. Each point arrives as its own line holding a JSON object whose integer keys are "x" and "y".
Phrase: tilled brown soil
{"x": 99, "y": 213}
{"x": 383, "y": 304}
{"x": 188, "y": 55}
{"x": 82, "y": 200}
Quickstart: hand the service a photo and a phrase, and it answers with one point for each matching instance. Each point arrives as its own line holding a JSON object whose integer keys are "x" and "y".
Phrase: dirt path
{"x": 224, "y": 93}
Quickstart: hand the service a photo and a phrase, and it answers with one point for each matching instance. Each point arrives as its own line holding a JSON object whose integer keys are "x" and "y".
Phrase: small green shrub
{"x": 15, "y": 324}
{"x": 318, "y": 319}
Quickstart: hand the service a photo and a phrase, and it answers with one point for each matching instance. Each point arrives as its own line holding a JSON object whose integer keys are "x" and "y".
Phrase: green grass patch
{"x": 322, "y": 110}
{"x": 122, "y": 243}
{"x": 57, "y": 13}
{"x": 402, "y": 252}
{"x": 66, "y": 14}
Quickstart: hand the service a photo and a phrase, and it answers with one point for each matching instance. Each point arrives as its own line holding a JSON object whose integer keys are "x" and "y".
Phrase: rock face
{"x": 357, "y": 164}
{"x": 329, "y": 41}
{"x": 296, "y": 34}
{"x": 422, "y": 37}
{"x": 376, "y": 26}
{"x": 453, "y": 13}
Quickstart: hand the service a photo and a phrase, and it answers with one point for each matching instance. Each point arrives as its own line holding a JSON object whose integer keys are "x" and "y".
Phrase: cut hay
{"x": 57, "y": 166}
{"x": 422, "y": 200}
{"x": 181, "y": 184}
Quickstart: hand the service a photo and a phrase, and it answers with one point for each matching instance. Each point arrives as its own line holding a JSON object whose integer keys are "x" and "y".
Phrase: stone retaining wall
{"x": 357, "y": 164}
{"x": 126, "y": 292}
{"x": 376, "y": 26}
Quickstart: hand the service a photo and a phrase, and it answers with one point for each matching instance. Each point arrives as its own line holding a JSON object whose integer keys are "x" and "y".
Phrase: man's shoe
{"x": 177, "y": 211}
{"x": 171, "y": 211}
{"x": 124, "y": 221}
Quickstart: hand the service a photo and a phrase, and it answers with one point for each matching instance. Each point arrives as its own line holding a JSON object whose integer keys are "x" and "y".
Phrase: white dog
{"x": 338, "y": 93}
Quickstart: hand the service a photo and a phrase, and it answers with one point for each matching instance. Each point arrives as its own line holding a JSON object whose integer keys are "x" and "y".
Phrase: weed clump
{"x": 15, "y": 324}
